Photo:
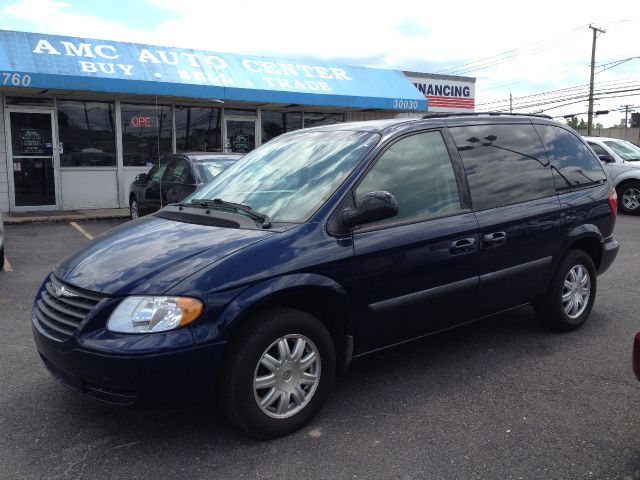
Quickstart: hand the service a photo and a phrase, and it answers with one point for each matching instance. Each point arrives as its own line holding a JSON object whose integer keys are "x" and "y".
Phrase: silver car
{"x": 621, "y": 161}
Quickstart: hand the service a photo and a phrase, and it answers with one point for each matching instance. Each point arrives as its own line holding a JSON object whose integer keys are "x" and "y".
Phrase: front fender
{"x": 268, "y": 291}
{"x": 633, "y": 174}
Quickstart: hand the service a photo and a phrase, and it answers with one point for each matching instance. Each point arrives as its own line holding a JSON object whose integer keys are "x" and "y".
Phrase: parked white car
{"x": 621, "y": 161}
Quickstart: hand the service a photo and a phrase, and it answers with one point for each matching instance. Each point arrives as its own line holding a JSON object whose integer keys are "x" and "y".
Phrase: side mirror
{"x": 374, "y": 206}
{"x": 606, "y": 158}
{"x": 141, "y": 178}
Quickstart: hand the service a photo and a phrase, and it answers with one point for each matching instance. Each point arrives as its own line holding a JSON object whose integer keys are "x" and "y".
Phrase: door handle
{"x": 495, "y": 239}
{"x": 463, "y": 245}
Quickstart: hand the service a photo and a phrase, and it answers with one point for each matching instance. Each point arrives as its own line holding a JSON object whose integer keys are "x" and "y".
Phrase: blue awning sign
{"x": 51, "y": 61}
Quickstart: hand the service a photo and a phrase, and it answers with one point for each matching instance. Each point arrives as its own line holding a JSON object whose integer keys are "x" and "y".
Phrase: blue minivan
{"x": 324, "y": 245}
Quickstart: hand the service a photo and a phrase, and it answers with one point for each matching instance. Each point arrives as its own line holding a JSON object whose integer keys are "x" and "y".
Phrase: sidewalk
{"x": 14, "y": 218}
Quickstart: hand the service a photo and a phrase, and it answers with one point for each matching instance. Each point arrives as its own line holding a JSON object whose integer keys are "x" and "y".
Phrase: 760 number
{"x": 16, "y": 79}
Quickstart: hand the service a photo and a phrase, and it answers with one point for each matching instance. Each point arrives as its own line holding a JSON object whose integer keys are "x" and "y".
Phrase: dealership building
{"x": 82, "y": 117}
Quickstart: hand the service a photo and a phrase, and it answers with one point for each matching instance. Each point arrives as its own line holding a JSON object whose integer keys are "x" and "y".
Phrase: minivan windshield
{"x": 290, "y": 177}
{"x": 627, "y": 150}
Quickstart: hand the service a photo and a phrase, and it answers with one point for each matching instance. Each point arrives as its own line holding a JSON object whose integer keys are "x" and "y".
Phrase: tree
{"x": 576, "y": 124}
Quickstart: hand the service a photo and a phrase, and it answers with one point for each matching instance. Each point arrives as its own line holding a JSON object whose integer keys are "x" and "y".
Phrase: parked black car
{"x": 175, "y": 178}
{"x": 324, "y": 245}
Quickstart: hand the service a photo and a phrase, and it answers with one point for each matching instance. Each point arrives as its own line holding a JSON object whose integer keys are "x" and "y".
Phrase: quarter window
{"x": 505, "y": 164}
{"x": 573, "y": 163}
{"x": 417, "y": 170}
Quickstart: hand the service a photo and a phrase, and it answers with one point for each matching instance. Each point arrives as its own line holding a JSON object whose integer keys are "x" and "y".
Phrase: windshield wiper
{"x": 234, "y": 207}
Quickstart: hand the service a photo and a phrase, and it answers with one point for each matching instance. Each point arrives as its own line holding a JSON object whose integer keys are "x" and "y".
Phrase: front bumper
{"x": 124, "y": 378}
{"x": 610, "y": 248}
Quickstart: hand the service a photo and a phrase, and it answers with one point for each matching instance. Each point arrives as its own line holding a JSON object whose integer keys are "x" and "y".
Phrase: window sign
{"x": 142, "y": 121}
{"x": 31, "y": 141}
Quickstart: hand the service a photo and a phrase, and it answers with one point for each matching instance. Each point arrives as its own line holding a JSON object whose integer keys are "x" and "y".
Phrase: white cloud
{"x": 405, "y": 34}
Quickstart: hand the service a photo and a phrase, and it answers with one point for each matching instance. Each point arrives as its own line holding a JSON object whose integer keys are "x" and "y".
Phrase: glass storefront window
{"x": 312, "y": 119}
{"x": 198, "y": 128}
{"x": 146, "y": 133}
{"x": 87, "y": 134}
{"x": 277, "y": 123}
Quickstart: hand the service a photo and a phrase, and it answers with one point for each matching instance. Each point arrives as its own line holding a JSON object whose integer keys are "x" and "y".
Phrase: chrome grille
{"x": 61, "y": 308}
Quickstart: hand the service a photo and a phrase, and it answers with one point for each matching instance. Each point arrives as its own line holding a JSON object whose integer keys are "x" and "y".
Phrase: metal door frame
{"x": 55, "y": 157}
{"x": 239, "y": 119}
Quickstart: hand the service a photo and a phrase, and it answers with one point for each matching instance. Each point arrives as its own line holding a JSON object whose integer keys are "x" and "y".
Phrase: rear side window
{"x": 417, "y": 170}
{"x": 505, "y": 164}
{"x": 574, "y": 165}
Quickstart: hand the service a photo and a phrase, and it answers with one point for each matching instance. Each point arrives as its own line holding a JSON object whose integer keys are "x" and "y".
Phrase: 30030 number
{"x": 405, "y": 104}
{"x": 16, "y": 79}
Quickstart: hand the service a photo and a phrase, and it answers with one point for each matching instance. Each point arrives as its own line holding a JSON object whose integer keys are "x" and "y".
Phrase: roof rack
{"x": 471, "y": 114}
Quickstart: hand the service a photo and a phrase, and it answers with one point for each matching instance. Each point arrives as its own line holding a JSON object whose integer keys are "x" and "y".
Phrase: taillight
{"x": 613, "y": 201}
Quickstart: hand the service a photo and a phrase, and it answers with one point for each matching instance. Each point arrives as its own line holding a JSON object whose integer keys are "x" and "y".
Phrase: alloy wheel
{"x": 287, "y": 376}
{"x": 576, "y": 291}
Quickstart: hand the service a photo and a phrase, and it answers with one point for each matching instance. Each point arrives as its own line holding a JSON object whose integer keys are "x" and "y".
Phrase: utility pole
{"x": 593, "y": 66}
{"x": 626, "y": 114}
{"x": 511, "y": 103}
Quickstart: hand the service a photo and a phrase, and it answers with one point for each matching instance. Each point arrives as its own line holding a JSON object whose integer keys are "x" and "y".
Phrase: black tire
{"x": 551, "y": 308}
{"x": 629, "y": 197}
{"x": 134, "y": 208}
{"x": 2, "y": 258}
{"x": 237, "y": 396}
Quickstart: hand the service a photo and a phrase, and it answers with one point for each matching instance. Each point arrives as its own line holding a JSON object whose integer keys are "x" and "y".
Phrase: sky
{"x": 537, "y": 52}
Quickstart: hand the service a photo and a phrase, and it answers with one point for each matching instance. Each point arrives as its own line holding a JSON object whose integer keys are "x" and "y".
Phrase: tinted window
{"x": 146, "y": 133}
{"x": 198, "y": 128}
{"x": 155, "y": 174}
{"x": 87, "y": 133}
{"x": 277, "y": 123}
{"x": 179, "y": 171}
{"x": 505, "y": 164}
{"x": 417, "y": 170}
{"x": 312, "y": 119}
{"x": 573, "y": 163}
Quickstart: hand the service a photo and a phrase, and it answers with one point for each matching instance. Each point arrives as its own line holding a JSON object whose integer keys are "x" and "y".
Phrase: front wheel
{"x": 568, "y": 303}
{"x": 134, "y": 208}
{"x": 629, "y": 197}
{"x": 279, "y": 371}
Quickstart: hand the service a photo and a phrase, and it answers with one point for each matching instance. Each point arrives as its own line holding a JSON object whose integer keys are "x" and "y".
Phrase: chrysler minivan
{"x": 324, "y": 245}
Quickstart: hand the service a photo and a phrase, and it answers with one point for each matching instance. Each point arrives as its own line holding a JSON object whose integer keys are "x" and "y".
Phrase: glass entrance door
{"x": 241, "y": 135}
{"x": 33, "y": 185}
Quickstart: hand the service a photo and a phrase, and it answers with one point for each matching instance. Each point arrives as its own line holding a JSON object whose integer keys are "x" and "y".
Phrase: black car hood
{"x": 150, "y": 255}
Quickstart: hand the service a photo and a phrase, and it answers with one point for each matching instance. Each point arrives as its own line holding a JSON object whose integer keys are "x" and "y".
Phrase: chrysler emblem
{"x": 60, "y": 291}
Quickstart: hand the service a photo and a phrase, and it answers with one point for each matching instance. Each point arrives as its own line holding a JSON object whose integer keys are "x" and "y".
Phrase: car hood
{"x": 150, "y": 255}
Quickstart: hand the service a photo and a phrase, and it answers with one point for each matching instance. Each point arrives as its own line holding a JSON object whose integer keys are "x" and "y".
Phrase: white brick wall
{"x": 4, "y": 179}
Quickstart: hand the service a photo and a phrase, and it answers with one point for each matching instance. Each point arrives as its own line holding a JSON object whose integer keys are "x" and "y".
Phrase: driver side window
{"x": 417, "y": 170}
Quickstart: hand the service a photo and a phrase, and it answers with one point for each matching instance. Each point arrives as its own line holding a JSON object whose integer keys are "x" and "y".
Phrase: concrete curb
{"x": 57, "y": 216}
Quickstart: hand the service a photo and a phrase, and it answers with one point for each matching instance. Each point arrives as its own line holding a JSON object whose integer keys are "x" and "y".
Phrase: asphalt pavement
{"x": 498, "y": 399}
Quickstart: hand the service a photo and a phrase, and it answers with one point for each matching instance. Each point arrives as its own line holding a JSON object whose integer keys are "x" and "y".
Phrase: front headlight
{"x": 153, "y": 314}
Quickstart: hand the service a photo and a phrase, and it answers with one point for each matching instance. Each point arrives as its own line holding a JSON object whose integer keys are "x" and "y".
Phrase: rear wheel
{"x": 134, "y": 208}
{"x": 568, "y": 303}
{"x": 2, "y": 258}
{"x": 279, "y": 372}
{"x": 629, "y": 197}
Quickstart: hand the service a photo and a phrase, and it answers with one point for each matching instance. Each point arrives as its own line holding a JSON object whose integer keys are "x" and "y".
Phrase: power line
{"x": 509, "y": 53}
{"x": 549, "y": 93}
